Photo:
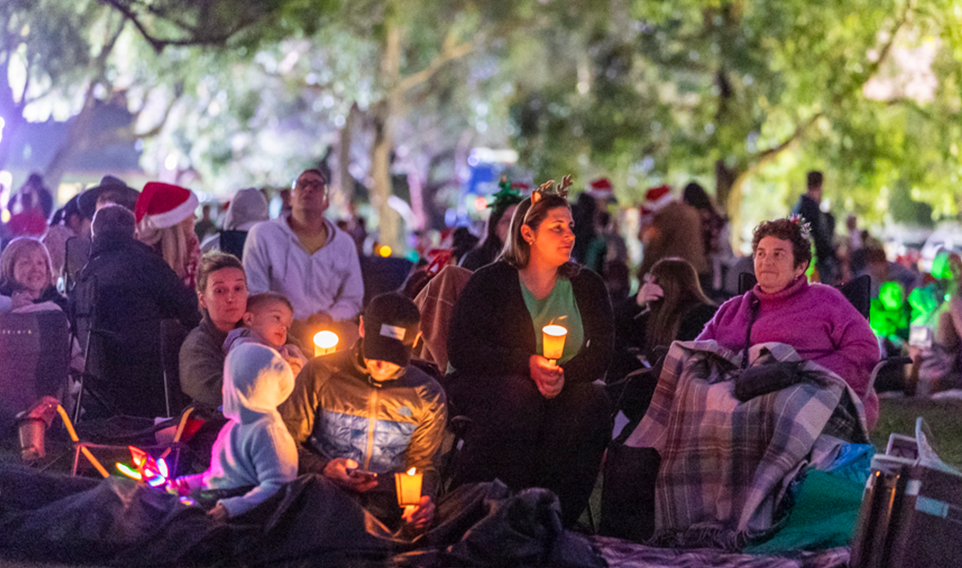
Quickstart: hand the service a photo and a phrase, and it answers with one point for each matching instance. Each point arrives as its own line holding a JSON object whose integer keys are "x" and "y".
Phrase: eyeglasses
{"x": 309, "y": 185}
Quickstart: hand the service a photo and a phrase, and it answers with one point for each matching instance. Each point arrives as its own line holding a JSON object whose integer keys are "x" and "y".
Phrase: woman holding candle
{"x": 534, "y": 422}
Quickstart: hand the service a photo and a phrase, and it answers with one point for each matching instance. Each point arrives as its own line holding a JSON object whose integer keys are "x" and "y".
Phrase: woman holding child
{"x": 231, "y": 318}
{"x": 222, "y": 293}
{"x": 534, "y": 422}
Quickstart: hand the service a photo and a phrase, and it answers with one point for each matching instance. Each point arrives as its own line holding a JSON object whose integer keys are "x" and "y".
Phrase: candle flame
{"x": 326, "y": 339}
{"x": 412, "y": 471}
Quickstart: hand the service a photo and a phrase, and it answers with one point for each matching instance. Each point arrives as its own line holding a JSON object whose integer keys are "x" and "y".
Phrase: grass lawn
{"x": 944, "y": 418}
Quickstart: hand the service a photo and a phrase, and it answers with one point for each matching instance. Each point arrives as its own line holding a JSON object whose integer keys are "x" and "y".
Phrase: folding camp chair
{"x": 41, "y": 414}
{"x": 35, "y": 356}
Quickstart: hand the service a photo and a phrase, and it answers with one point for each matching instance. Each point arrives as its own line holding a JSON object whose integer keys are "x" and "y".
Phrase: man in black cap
{"x": 359, "y": 416}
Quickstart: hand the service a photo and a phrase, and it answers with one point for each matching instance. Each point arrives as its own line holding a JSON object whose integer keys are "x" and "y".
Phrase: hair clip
{"x": 804, "y": 227}
{"x": 549, "y": 188}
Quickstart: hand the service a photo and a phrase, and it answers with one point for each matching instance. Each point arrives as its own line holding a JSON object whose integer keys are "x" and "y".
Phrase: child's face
{"x": 271, "y": 321}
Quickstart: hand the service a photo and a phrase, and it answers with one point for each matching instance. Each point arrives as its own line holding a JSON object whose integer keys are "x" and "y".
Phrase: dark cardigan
{"x": 491, "y": 331}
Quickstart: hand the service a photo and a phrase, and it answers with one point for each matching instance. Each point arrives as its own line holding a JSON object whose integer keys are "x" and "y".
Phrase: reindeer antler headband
{"x": 549, "y": 188}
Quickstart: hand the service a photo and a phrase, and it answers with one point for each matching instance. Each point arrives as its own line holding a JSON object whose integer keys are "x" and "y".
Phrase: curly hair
{"x": 786, "y": 230}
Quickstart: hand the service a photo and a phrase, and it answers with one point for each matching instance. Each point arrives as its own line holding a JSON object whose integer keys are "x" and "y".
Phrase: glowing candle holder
{"x": 553, "y": 342}
{"x": 408, "y": 487}
{"x": 325, "y": 342}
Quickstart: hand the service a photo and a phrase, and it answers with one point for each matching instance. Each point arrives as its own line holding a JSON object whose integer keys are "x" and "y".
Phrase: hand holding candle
{"x": 553, "y": 342}
{"x": 408, "y": 489}
{"x": 325, "y": 342}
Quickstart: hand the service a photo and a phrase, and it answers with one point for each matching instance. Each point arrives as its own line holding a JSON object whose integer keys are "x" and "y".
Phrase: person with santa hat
{"x": 165, "y": 222}
{"x": 670, "y": 228}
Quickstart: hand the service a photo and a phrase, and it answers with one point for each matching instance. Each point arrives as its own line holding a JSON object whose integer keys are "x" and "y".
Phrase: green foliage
{"x": 644, "y": 92}
{"x": 769, "y": 89}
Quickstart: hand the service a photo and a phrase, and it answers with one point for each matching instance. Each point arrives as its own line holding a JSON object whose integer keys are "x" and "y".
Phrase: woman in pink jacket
{"x": 815, "y": 319}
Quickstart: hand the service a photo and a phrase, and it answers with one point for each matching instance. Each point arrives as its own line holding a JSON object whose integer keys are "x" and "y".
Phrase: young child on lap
{"x": 268, "y": 318}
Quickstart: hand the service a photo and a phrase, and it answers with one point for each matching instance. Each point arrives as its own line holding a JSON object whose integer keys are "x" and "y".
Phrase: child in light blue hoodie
{"x": 254, "y": 448}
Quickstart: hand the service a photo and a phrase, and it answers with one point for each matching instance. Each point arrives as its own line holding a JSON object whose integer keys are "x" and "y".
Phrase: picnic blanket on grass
{"x": 727, "y": 467}
{"x": 309, "y": 522}
{"x": 623, "y": 554}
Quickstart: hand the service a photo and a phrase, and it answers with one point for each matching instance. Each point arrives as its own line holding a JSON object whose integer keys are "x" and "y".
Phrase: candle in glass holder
{"x": 553, "y": 342}
{"x": 324, "y": 342}
{"x": 408, "y": 487}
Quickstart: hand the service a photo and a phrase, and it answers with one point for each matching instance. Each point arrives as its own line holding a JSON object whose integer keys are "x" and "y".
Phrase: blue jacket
{"x": 338, "y": 411}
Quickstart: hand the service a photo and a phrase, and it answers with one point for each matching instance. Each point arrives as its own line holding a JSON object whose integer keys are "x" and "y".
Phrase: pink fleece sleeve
{"x": 856, "y": 350}
{"x": 856, "y": 353}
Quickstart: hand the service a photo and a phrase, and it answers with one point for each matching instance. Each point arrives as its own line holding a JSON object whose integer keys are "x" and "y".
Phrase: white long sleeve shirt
{"x": 327, "y": 281}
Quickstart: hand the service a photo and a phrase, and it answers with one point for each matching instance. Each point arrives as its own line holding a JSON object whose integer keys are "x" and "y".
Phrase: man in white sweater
{"x": 307, "y": 259}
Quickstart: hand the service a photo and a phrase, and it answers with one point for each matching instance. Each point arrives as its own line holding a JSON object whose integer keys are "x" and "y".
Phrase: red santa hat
{"x": 163, "y": 205}
{"x": 655, "y": 199}
{"x": 601, "y": 188}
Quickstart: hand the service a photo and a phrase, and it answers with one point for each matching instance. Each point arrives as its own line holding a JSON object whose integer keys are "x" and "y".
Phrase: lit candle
{"x": 408, "y": 487}
{"x": 553, "y": 342}
{"x": 324, "y": 342}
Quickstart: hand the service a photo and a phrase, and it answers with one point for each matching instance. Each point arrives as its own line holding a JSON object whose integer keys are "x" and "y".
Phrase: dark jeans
{"x": 525, "y": 440}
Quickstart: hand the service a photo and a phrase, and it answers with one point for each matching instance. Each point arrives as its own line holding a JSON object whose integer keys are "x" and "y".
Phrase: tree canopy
{"x": 742, "y": 95}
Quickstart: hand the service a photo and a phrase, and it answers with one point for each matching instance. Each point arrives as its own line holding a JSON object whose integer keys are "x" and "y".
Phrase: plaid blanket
{"x": 623, "y": 554}
{"x": 727, "y": 466}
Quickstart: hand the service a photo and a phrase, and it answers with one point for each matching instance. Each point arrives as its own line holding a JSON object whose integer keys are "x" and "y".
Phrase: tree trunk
{"x": 728, "y": 192}
{"x": 345, "y": 181}
{"x": 417, "y": 175}
{"x": 11, "y": 112}
{"x": 383, "y": 139}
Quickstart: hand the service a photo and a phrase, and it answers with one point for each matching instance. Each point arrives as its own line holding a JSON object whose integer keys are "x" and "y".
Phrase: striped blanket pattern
{"x": 727, "y": 465}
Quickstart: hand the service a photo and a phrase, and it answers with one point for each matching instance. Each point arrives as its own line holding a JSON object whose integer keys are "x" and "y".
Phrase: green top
{"x": 559, "y": 308}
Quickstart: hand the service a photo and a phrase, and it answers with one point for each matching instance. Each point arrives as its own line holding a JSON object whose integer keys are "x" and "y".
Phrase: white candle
{"x": 553, "y": 342}
{"x": 408, "y": 487}
{"x": 325, "y": 342}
